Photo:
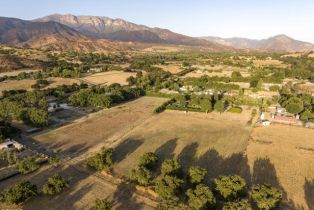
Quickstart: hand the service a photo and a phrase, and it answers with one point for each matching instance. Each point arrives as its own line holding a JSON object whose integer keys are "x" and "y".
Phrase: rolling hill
{"x": 276, "y": 43}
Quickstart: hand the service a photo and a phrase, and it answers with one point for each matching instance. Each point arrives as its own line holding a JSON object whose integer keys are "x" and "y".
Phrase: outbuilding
{"x": 8, "y": 144}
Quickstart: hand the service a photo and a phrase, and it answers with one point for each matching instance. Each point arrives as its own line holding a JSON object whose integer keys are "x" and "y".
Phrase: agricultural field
{"x": 269, "y": 62}
{"x": 108, "y": 78}
{"x": 194, "y": 138}
{"x": 16, "y": 72}
{"x": 284, "y": 157}
{"x": 26, "y": 84}
{"x": 172, "y": 68}
{"x": 84, "y": 188}
{"x": 92, "y": 131}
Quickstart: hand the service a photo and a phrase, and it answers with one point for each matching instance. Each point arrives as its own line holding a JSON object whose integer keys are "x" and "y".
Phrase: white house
{"x": 53, "y": 106}
{"x": 10, "y": 144}
{"x": 265, "y": 122}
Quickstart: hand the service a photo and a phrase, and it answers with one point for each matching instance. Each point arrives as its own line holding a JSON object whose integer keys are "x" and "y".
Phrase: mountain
{"x": 121, "y": 30}
{"x": 277, "y": 43}
{"x": 13, "y": 31}
{"x": 49, "y": 35}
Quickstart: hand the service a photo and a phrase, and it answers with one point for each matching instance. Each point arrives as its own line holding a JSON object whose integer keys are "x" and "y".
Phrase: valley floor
{"x": 222, "y": 143}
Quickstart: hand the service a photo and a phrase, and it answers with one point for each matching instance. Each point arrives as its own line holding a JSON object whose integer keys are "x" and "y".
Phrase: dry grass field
{"x": 84, "y": 188}
{"x": 16, "y": 72}
{"x": 276, "y": 63}
{"x": 172, "y": 68}
{"x": 308, "y": 87}
{"x": 98, "y": 129}
{"x": 214, "y": 141}
{"x": 283, "y": 156}
{"x": 26, "y": 84}
{"x": 108, "y": 78}
{"x": 219, "y": 71}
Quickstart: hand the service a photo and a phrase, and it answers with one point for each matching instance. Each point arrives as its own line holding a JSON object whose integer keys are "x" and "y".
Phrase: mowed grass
{"x": 108, "y": 78}
{"x": 105, "y": 127}
{"x": 215, "y": 142}
{"x": 283, "y": 156}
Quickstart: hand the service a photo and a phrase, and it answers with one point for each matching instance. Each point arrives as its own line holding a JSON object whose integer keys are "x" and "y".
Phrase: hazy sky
{"x": 226, "y": 18}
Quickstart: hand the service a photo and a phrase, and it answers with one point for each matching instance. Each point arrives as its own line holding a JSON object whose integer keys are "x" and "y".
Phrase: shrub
{"x": 201, "y": 197}
{"x": 19, "y": 193}
{"x": 266, "y": 197}
{"x": 274, "y": 88}
{"x": 237, "y": 205}
{"x": 163, "y": 107}
{"x": 141, "y": 175}
{"x": 170, "y": 167}
{"x": 103, "y": 204}
{"x": 173, "y": 204}
{"x": 196, "y": 174}
{"x": 219, "y": 106}
{"x": 230, "y": 187}
{"x": 148, "y": 160}
{"x": 55, "y": 185}
{"x": 235, "y": 110}
{"x": 102, "y": 160}
{"x": 27, "y": 165}
{"x": 168, "y": 186}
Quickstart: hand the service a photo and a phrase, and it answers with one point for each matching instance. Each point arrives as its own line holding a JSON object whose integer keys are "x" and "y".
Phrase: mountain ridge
{"x": 122, "y": 30}
{"x": 279, "y": 42}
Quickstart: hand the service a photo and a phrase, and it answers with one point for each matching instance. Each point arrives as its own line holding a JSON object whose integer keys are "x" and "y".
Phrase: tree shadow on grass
{"x": 126, "y": 148}
{"x": 124, "y": 198}
{"x": 264, "y": 172}
{"x": 309, "y": 193}
{"x": 166, "y": 151}
{"x": 218, "y": 165}
{"x": 187, "y": 155}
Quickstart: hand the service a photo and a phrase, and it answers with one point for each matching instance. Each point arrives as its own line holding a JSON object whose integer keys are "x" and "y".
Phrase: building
{"x": 284, "y": 119}
{"x": 309, "y": 125}
{"x": 265, "y": 122}
{"x": 8, "y": 144}
{"x": 53, "y": 106}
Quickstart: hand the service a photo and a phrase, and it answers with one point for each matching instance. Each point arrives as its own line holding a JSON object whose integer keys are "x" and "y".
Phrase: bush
{"x": 103, "y": 204}
{"x": 141, "y": 175}
{"x": 148, "y": 160}
{"x": 168, "y": 186}
{"x": 266, "y": 197}
{"x": 206, "y": 105}
{"x": 55, "y": 185}
{"x": 274, "y": 88}
{"x": 201, "y": 197}
{"x": 171, "y": 167}
{"x": 102, "y": 160}
{"x": 196, "y": 174}
{"x": 173, "y": 204}
{"x": 19, "y": 193}
{"x": 230, "y": 187}
{"x": 27, "y": 165}
{"x": 219, "y": 106}
{"x": 235, "y": 110}
{"x": 237, "y": 205}
{"x": 163, "y": 107}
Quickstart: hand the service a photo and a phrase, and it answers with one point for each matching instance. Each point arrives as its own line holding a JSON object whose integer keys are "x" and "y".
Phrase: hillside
{"x": 49, "y": 35}
{"x": 277, "y": 43}
{"x": 121, "y": 30}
